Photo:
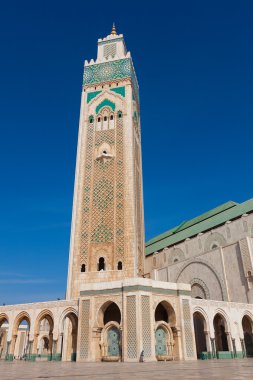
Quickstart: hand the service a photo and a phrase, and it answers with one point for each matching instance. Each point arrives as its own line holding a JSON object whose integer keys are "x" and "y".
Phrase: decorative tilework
{"x": 102, "y": 234}
{"x": 131, "y": 328}
{"x": 84, "y": 242}
{"x": 119, "y": 90}
{"x": 105, "y": 103}
{"x": 119, "y": 192}
{"x": 146, "y": 325}
{"x": 103, "y": 72}
{"x": 188, "y": 328}
{"x": 103, "y": 193}
{"x": 108, "y": 71}
{"x": 138, "y": 192}
{"x": 92, "y": 95}
{"x": 84, "y": 338}
{"x": 110, "y": 41}
{"x": 102, "y": 214}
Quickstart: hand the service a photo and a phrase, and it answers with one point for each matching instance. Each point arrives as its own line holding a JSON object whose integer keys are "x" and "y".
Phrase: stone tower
{"x": 107, "y": 233}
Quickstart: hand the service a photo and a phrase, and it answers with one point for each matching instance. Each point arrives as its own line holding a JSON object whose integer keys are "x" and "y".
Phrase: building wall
{"x": 220, "y": 261}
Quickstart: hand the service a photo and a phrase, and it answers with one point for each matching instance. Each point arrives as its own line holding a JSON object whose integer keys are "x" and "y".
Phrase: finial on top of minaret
{"x": 113, "y": 30}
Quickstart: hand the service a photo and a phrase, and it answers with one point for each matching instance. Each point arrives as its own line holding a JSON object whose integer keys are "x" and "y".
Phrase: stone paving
{"x": 222, "y": 369}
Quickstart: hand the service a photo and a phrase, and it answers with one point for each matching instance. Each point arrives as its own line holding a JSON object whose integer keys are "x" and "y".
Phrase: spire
{"x": 113, "y": 30}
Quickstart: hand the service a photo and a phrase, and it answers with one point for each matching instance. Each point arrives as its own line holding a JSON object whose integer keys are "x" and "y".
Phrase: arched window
{"x": 120, "y": 115}
{"x": 101, "y": 264}
{"x": 99, "y": 119}
{"x": 83, "y": 268}
{"x": 105, "y": 118}
{"x": 91, "y": 119}
{"x": 111, "y": 117}
{"x": 120, "y": 265}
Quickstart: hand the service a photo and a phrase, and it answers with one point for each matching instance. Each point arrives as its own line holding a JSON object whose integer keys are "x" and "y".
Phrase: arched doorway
{"x": 199, "y": 330}
{"x": 248, "y": 336}
{"x": 4, "y": 328}
{"x": 20, "y": 344}
{"x": 69, "y": 337}
{"x": 220, "y": 331}
{"x": 44, "y": 326}
{"x": 166, "y": 339}
{"x": 109, "y": 320}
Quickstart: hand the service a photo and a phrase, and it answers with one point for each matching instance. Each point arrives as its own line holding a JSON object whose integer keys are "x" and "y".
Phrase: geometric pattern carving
{"x": 110, "y": 49}
{"x": 138, "y": 192}
{"x": 146, "y": 325}
{"x": 102, "y": 213}
{"x": 103, "y": 194}
{"x": 214, "y": 238}
{"x": 188, "y": 329}
{"x": 84, "y": 242}
{"x": 202, "y": 287}
{"x": 119, "y": 192}
{"x": 84, "y": 338}
{"x": 131, "y": 327}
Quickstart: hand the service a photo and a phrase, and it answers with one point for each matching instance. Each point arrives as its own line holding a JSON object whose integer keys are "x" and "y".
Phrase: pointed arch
{"x": 105, "y": 103}
{"x": 22, "y": 316}
{"x": 44, "y": 314}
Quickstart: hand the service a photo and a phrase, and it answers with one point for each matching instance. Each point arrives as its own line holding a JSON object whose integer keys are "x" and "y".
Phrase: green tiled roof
{"x": 210, "y": 219}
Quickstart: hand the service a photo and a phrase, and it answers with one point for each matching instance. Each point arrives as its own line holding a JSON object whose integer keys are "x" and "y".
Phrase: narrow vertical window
{"x": 83, "y": 268}
{"x": 101, "y": 264}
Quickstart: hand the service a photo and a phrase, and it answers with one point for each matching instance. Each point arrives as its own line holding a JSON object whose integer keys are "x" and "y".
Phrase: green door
{"x": 160, "y": 339}
{"x": 113, "y": 342}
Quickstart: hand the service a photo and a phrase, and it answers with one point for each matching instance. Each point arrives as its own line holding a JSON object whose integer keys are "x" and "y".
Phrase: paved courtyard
{"x": 222, "y": 369}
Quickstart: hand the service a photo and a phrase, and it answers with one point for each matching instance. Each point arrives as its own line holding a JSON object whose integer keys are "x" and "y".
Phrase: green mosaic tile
{"x": 108, "y": 71}
{"x": 92, "y": 95}
{"x": 105, "y": 103}
{"x": 119, "y": 90}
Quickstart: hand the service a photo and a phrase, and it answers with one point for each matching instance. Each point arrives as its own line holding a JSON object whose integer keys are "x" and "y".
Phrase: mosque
{"x": 185, "y": 294}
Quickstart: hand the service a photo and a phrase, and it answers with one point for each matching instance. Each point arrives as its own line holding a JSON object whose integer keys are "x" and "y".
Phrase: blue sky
{"x": 194, "y": 64}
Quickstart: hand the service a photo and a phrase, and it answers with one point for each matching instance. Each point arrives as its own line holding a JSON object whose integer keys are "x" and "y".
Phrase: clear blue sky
{"x": 194, "y": 64}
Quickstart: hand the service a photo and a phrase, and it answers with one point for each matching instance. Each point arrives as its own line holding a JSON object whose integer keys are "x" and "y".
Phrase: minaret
{"x": 107, "y": 233}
